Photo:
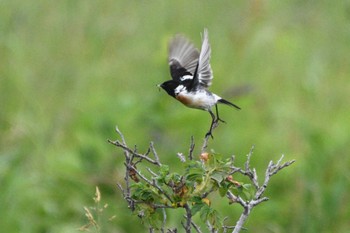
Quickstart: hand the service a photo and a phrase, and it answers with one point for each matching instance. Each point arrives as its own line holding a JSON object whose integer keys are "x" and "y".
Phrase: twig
{"x": 128, "y": 160}
{"x": 271, "y": 170}
{"x": 120, "y": 187}
{"x": 205, "y": 143}
{"x": 225, "y": 228}
{"x": 160, "y": 206}
{"x": 121, "y": 135}
{"x": 188, "y": 218}
{"x": 196, "y": 227}
{"x": 190, "y": 154}
{"x": 154, "y": 153}
{"x": 251, "y": 173}
{"x": 127, "y": 149}
{"x": 164, "y": 220}
{"x": 152, "y": 172}
{"x": 247, "y": 163}
{"x": 172, "y": 230}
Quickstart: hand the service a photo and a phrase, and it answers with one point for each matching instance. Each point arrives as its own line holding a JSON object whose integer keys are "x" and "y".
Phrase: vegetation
{"x": 154, "y": 196}
{"x": 70, "y": 71}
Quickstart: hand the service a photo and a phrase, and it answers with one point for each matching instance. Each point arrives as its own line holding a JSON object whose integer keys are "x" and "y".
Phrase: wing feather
{"x": 183, "y": 57}
{"x": 205, "y": 73}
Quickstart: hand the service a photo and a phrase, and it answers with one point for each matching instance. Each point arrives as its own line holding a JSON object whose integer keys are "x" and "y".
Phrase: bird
{"x": 192, "y": 75}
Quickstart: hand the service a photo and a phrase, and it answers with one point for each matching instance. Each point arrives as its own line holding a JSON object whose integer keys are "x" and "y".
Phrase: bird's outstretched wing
{"x": 183, "y": 57}
{"x": 204, "y": 74}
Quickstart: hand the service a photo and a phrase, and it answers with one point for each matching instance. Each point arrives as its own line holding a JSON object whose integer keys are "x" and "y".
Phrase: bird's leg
{"x": 217, "y": 115}
{"x": 213, "y": 122}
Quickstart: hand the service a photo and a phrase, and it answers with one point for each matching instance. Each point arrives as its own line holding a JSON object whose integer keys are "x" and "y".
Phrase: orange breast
{"x": 191, "y": 102}
{"x": 184, "y": 99}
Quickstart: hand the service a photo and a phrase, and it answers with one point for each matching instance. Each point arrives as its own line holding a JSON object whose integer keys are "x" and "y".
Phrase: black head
{"x": 169, "y": 87}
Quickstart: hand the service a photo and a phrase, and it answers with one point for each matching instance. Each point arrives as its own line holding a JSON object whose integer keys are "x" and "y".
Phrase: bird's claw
{"x": 221, "y": 120}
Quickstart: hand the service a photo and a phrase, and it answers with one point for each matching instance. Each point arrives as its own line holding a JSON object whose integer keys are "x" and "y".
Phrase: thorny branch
{"x": 271, "y": 170}
{"x": 190, "y": 155}
{"x": 132, "y": 157}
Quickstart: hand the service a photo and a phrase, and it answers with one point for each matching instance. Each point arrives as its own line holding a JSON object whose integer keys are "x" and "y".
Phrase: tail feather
{"x": 228, "y": 103}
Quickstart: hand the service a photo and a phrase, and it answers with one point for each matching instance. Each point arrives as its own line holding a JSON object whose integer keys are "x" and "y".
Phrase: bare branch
{"x": 152, "y": 172}
{"x": 121, "y": 189}
{"x": 247, "y": 163}
{"x": 164, "y": 220}
{"x": 205, "y": 143}
{"x": 258, "y": 201}
{"x": 126, "y": 153}
{"x": 190, "y": 154}
{"x": 236, "y": 199}
{"x": 225, "y": 227}
{"x": 172, "y": 230}
{"x": 120, "y": 134}
{"x": 188, "y": 218}
{"x": 197, "y": 228}
{"x": 155, "y": 153}
{"x": 271, "y": 170}
{"x": 209, "y": 226}
{"x": 160, "y": 206}
{"x": 128, "y": 161}
{"x": 133, "y": 152}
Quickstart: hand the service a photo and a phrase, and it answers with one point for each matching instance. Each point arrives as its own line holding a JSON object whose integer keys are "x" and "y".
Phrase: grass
{"x": 72, "y": 70}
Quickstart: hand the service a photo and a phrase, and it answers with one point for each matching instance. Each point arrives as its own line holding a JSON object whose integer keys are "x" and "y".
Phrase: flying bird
{"x": 192, "y": 76}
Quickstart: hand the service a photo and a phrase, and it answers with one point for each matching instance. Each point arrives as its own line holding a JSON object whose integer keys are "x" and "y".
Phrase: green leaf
{"x": 164, "y": 170}
{"x": 204, "y": 212}
{"x": 195, "y": 176}
{"x": 172, "y": 177}
{"x": 223, "y": 190}
{"x": 247, "y": 186}
{"x": 218, "y": 176}
{"x": 163, "y": 174}
{"x": 196, "y": 199}
{"x": 155, "y": 219}
{"x": 197, "y": 207}
{"x": 143, "y": 192}
{"x": 248, "y": 191}
{"x": 149, "y": 216}
{"x": 195, "y": 171}
{"x": 209, "y": 214}
{"x": 214, "y": 218}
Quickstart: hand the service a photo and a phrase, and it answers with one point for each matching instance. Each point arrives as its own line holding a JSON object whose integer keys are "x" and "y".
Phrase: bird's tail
{"x": 228, "y": 103}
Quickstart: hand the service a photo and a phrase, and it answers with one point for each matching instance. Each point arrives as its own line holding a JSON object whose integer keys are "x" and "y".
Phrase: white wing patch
{"x": 179, "y": 89}
{"x": 185, "y": 77}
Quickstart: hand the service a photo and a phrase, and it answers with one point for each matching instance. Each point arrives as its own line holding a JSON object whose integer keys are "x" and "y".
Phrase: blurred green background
{"x": 70, "y": 71}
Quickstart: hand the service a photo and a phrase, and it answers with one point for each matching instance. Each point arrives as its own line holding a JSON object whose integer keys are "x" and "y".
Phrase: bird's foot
{"x": 221, "y": 120}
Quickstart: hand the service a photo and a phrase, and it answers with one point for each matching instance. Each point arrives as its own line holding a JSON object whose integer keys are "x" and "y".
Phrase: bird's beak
{"x": 159, "y": 86}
